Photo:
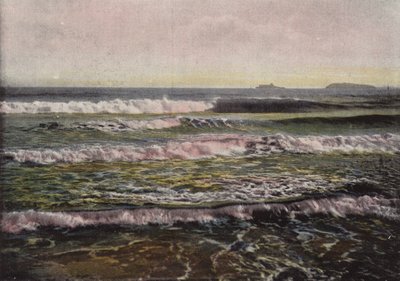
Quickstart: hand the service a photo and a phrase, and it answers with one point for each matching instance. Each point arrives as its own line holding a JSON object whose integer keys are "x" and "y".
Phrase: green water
{"x": 318, "y": 247}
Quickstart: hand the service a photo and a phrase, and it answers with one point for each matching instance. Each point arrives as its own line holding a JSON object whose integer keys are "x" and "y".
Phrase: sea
{"x": 200, "y": 184}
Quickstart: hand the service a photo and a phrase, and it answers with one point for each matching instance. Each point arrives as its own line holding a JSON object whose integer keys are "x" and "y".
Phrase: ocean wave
{"x": 15, "y": 222}
{"x": 204, "y": 146}
{"x": 191, "y": 148}
{"x": 376, "y": 119}
{"x": 155, "y": 124}
{"x": 129, "y": 125}
{"x": 252, "y": 105}
{"x": 325, "y": 144}
{"x": 111, "y": 106}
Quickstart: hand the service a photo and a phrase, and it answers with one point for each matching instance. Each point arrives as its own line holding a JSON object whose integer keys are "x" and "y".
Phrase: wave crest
{"x": 15, "y": 222}
{"x": 112, "y": 106}
{"x": 156, "y": 124}
{"x": 321, "y": 144}
{"x": 192, "y": 148}
{"x": 212, "y": 145}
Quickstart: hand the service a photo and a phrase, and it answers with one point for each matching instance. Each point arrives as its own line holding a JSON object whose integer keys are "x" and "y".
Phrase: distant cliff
{"x": 349, "y": 86}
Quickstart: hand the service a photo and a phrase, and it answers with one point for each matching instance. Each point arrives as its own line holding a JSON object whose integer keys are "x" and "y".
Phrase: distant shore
{"x": 349, "y": 86}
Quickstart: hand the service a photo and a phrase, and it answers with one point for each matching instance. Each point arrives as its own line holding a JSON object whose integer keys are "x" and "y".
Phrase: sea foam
{"x": 121, "y": 125}
{"x": 113, "y": 106}
{"x": 325, "y": 144}
{"x": 203, "y": 146}
{"x": 15, "y": 222}
{"x": 190, "y": 148}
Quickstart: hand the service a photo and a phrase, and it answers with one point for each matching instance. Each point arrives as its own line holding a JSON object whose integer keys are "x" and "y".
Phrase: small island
{"x": 268, "y": 86}
{"x": 350, "y": 86}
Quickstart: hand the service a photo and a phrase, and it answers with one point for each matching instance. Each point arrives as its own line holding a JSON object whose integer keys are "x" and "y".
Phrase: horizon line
{"x": 199, "y": 87}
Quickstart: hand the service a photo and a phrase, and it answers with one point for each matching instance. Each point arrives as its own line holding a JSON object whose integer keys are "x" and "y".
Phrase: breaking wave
{"x": 191, "y": 148}
{"x": 121, "y": 125}
{"x": 325, "y": 144}
{"x": 15, "y": 222}
{"x": 154, "y": 124}
{"x": 112, "y": 106}
{"x": 203, "y": 146}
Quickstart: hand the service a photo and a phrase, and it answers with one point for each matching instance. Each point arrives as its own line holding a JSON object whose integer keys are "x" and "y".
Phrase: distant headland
{"x": 344, "y": 86}
{"x": 268, "y": 86}
{"x": 349, "y": 86}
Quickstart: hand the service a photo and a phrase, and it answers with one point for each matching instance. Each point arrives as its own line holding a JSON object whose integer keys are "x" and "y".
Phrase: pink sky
{"x": 223, "y": 43}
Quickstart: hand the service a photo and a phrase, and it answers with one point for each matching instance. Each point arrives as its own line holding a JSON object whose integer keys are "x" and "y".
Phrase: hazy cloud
{"x": 153, "y": 42}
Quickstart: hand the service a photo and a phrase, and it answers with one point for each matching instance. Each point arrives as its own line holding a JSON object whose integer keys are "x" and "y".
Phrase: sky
{"x": 199, "y": 43}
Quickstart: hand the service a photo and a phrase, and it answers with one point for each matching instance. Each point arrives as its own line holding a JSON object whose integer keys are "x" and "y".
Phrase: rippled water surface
{"x": 162, "y": 185}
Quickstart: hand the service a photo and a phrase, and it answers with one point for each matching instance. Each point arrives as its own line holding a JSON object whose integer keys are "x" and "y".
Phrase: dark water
{"x": 164, "y": 184}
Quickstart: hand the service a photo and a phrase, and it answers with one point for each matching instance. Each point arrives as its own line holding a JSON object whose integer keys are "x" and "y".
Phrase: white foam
{"x": 131, "y": 125}
{"x": 203, "y": 146}
{"x": 191, "y": 148}
{"x": 209, "y": 122}
{"x": 112, "y": 106}
{"x": 321, "y": 144}
{"x": 238, "y": 189}
{"x": 15, "y": 222}
{"x": 121, "y": 125}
